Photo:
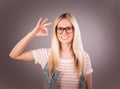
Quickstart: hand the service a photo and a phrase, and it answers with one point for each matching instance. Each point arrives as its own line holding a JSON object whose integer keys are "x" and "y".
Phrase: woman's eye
{"x": 68, "y": 28}
{"x": 60, "y": 28}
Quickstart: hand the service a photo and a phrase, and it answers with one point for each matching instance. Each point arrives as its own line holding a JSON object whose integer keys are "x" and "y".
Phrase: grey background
{"x": 99, "y": 21}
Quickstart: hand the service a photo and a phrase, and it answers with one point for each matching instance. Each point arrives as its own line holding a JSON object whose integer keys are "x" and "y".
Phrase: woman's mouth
{"x": 65, "y": 37}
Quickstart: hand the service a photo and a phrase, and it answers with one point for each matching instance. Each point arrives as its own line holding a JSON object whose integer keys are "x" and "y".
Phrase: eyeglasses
{"x": 67, "y": 30}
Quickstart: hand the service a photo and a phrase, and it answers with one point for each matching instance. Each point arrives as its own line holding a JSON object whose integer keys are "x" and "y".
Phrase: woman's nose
{"x": 64, "y": 32}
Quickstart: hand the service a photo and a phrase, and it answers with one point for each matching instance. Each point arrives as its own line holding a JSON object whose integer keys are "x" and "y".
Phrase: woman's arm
{"x": 88, "y": 78}
{"x": 18, "y": 52}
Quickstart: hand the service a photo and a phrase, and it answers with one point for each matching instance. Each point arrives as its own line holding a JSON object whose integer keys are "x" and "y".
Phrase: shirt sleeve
{"x": 41, "y": 56}
{"x": 87, "y": 64}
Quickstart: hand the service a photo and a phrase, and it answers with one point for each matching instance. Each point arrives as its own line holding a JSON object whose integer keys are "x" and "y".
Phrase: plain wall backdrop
{"x": 99, "y": 22}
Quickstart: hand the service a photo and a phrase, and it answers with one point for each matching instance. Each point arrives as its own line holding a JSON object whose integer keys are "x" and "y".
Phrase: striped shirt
{"x": 68, "y": 78}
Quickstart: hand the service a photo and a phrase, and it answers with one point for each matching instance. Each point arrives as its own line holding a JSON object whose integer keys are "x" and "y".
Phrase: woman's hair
{"x": 76, "y": 45}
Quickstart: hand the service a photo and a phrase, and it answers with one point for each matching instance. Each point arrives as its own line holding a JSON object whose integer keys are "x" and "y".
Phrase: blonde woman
{"x": 65, "y": 65}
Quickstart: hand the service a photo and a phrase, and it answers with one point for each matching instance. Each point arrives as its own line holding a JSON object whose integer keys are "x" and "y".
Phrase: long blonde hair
{"x": 77, "y": 46}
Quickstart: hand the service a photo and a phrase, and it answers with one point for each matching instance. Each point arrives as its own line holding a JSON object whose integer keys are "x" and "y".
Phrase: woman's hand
{"x": 41, "y": 28}
{"x": 18, "y": 52}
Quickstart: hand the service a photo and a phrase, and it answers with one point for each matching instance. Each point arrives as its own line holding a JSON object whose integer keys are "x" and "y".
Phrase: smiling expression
{"x": 65, "y": 26}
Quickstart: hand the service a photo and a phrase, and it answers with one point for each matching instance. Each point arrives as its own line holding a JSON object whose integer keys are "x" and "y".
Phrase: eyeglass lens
{"x": 67, "y": 30}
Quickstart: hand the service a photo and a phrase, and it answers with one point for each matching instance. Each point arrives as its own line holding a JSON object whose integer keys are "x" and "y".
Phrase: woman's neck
{"x": 65, "y": 48}
{"x": 66, "y": 51}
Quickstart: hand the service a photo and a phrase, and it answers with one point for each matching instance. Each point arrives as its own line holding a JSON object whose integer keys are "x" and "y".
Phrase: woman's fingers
{"x": 45, "y": 31}
{"x": 47, "y": 24}
{"x": 39, "y": 22}
{"x": 44, "y": 21}
{"x": 41, "y": 28}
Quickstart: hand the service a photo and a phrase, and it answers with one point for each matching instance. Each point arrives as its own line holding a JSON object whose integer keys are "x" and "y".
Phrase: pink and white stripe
{"x": 68, "y": 79}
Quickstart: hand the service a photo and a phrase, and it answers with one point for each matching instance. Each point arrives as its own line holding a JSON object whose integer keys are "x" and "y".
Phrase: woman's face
{"x": 65, "y": 31}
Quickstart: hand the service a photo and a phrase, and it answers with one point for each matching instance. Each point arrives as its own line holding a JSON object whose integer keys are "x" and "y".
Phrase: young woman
{"x": 66, "y": 61}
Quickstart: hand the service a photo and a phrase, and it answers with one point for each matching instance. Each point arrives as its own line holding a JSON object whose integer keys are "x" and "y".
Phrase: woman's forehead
{"x": 64, "y": 23}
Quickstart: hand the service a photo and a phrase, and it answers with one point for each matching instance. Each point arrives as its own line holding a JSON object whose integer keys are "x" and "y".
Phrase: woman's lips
{"x": 65, "y": 37}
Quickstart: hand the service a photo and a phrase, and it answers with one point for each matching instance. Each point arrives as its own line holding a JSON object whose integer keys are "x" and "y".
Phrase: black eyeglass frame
{"x": 67, "y": 29}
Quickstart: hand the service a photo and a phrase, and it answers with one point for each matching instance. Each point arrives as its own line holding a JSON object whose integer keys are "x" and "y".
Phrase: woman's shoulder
{"x": 86, "y": 56}
{"x": 41, "y": 51}
{"x": 85, "y": 53}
